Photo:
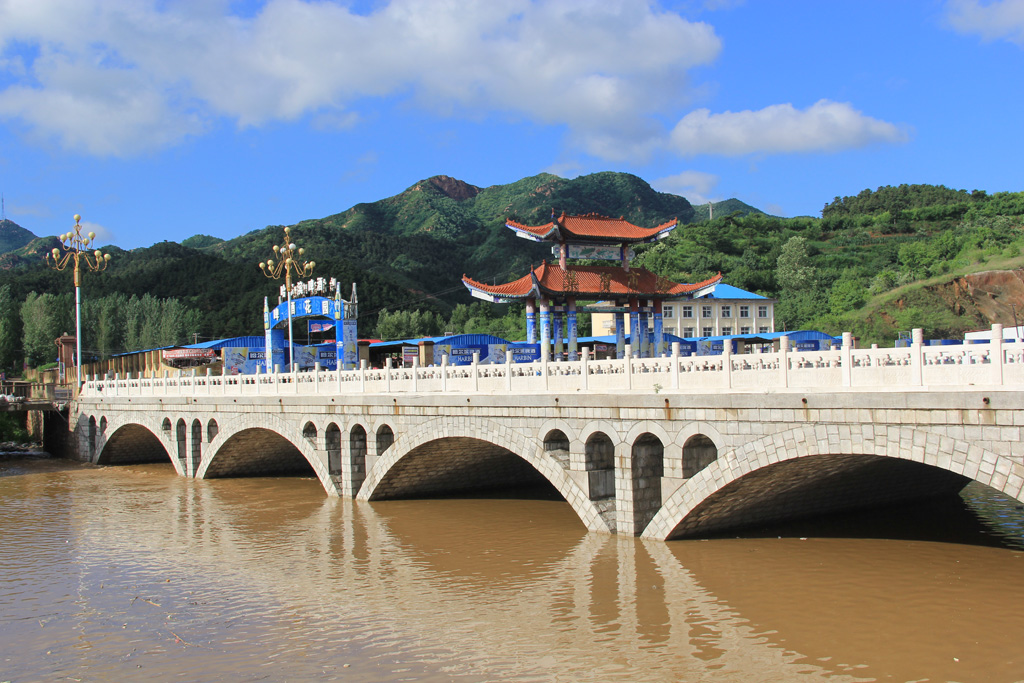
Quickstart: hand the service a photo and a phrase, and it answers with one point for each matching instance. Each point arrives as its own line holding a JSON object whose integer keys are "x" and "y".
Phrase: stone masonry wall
{"x": 974, "y": 433}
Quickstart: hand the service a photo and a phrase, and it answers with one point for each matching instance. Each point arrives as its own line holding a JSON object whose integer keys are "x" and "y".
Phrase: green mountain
{"x": 729, "y": 207}
{"x": 13, "y": 236}
{"x": 201, "y": 241}
{"x": 877, "y": 263}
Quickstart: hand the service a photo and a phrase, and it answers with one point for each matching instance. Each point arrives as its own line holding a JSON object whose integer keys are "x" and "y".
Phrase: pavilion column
{"x": 531, "y": 321}
{"x": 620, "y": 334}
{"x": 545, "y": 329}
{"x": 556, "y": 331}
{"x": 644, "y": 350}
{"x": 635, "y": 338}
{"x": 659, "y": 330}
{"x": 570, "y": 323}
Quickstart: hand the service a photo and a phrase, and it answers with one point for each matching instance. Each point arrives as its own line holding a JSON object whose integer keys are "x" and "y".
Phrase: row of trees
{"x": 111, "y": 324}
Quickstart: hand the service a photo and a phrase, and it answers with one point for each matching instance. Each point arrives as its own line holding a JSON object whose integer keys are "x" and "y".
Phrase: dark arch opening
{"x": 197, "y": 445}
{"x": 463, "y": 465}
{"x": 211, "y": 430}
{"x": 556, "y": 444}
{"x": 648, "y": 467}
{"x": 357, "y": 457}
{"x": 600, "y": 462}
{"x": 698, "y": 452}
{"x": 332, "y": 437}
{"x": 600, "y": 455}
{"x": 258, "y": 452}
{"x": 385, "y": 437}
{"x": 132, "y": 444}
{"x": 166, "y": 424}
{"x": 181, "y": 438}
{"x": 92, "y": 438}
{"x": 103, "y": 424}
{"x": 813, "y": 486}
{"x": 309, "y": 433}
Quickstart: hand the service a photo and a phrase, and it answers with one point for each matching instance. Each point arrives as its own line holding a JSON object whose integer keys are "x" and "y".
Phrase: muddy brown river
{"x": 134, "y": 573}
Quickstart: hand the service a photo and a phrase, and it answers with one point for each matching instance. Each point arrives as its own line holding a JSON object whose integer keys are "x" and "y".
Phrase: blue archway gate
{"x": 308, "y": 303}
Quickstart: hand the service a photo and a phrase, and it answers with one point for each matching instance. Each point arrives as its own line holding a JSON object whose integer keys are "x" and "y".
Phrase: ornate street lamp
{"x": 74, "y": 249}
{"x": 288, "y": 257}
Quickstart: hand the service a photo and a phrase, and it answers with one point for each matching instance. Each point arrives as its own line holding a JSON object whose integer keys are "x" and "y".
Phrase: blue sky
{"x": 161, "y": 119}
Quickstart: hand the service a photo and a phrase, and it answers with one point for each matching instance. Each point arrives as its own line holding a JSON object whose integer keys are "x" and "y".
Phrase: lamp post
{"x": 288, "y": 257}
{"x": 74, "y": 249}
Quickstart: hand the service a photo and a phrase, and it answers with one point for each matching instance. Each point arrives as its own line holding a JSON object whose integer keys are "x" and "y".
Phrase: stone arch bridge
{"x": 661, "y": 448}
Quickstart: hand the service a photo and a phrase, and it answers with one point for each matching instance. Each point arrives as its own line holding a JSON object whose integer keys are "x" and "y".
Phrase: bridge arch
{"x": 824, "y": 457}
{"x": 272, "y": 437}
{"x": 487, "y": 434}
{"x": 127, "y": 440}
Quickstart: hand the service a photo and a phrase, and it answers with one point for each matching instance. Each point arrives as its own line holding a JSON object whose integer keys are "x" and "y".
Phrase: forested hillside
{"x": 877, "y": 263}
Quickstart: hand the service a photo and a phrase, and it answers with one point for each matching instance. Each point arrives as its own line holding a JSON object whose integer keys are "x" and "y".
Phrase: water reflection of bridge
{"x": 484, "y": 588}
{"x": 658, "y": 447}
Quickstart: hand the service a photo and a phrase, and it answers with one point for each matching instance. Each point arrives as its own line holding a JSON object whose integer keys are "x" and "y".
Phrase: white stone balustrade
{"x": 998, "y": 364}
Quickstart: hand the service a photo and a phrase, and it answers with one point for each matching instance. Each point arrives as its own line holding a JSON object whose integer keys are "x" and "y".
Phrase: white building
{"x": 728, "y": 310}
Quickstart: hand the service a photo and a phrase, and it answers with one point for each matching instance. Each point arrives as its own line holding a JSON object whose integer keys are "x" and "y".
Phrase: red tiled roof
{"x": 592, "y": 227}
{"x": 589, "y": 282}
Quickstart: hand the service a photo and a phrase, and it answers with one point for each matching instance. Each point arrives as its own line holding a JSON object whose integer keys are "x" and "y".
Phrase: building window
{"x": 667, "y": 312}
{"x": 744, "y": 311}
{"x": 745, "y": 330}
{"x": 687, "y": 332}
{"x": 763, "y": 329}
{"x": 705, "y": 312}
{"x": 762, "y": 311}
{"x": 687, "y": 311}
{"x": 707, "y": 331}
{"x": 726, "y": 311}
{"x": 608, "y": 324}
{"x": 726, "y": 331}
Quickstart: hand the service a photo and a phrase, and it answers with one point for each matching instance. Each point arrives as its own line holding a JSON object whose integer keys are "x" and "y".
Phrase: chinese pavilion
{"x": 556, "y": 288}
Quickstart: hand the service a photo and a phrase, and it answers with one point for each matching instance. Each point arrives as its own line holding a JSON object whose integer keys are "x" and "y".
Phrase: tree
{"x": 44, "y": 318}
{"x": 793, "y": 270}
{"x": 10, "y": 330}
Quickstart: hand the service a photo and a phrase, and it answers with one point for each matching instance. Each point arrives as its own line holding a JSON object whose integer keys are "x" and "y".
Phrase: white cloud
{"x": 696, "y": 186}
{"x": 103, "y": 235}
{"x": 999, "y": 20}
{"x": 781, "y": 128}
{"x": 117, "y": 77}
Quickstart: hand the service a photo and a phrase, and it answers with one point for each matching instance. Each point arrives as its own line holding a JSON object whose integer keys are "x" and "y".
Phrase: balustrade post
{"x": 916, "y": 357}
{"x": 362, "y": 375}
{"x": 727, "y": 362}
{"x": 585, "y": 368}
{"x": 544, "y": 370}
{"x": 996, "y": 354}
{"x": 846, "y": 358}
{"x": 508, "y": 370}
{"x": 675, "y": 365}
{"x": 476, "y": 371}
{"x": 784, "y": 361}
{"x": 209, "y": 381}
{"x": 444, "y": 372}
{"x": 415, "y": 374}
{"x": 387, "y": 375}
{"x": 627, "y": 358}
